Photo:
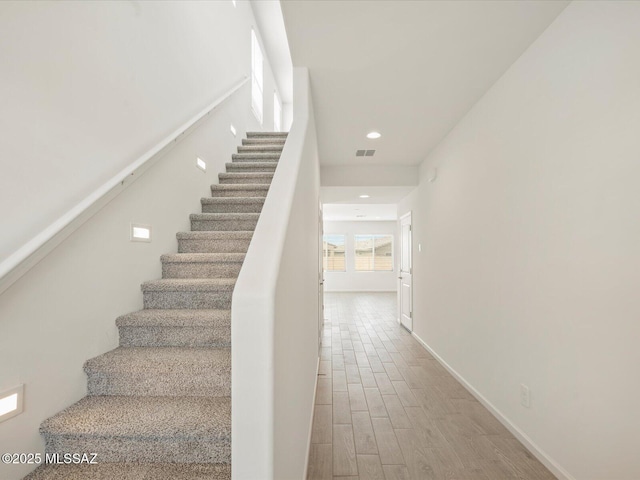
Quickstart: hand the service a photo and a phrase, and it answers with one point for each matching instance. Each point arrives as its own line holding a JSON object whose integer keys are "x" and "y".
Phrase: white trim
{"x": 313, "y": 411}
{"x": 402, "y": 217}
{"x": 23, "y": 259}
{"x": 546, "y": 460}
{"x": 360, "y": 291}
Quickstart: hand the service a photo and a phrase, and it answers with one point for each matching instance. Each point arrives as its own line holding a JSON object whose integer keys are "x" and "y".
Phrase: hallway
{"x": 386, "y": 409}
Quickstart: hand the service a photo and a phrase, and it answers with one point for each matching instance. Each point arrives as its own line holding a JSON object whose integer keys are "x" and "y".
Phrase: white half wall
{"x": 351, "y": 280}
{"x": 88, "y": 87}
{"x": 530, "y": 236}
{"x": 275, "y": 314}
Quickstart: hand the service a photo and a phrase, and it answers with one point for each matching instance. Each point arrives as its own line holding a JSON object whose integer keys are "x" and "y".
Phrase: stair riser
{"x": 180, "y": 300}
{"x": 220, "y": 192}
{"x": 213, "y": 246}
{"x": 223, "y": 225}
{"x": 114, "y": 449}
{"x": 175, "y": 336}
{"x": 244, "y": 168}
{"x": 200, "y": 270}
{"x": 161, "y": 384}
{"x": 239, "y": 180}
{"x": 232, "y": 207}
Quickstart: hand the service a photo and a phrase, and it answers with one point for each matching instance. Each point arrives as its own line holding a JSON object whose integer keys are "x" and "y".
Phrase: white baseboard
{"x": 313, "y": 407}
{"x": 546, "y": 460}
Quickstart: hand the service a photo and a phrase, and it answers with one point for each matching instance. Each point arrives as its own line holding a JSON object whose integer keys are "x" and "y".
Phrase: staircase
{"x": 159, "y": 406}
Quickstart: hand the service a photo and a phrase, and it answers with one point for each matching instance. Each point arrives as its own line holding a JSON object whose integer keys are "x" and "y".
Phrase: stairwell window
{"x": 373, "y": 253}
{"x": 333, "y": 259}
{"x": 277, "y": 112}
{"x": 257, "y": 77}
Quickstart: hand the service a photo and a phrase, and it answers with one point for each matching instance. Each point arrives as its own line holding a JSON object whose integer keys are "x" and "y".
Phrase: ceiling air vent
{"x": 365, "y": 153}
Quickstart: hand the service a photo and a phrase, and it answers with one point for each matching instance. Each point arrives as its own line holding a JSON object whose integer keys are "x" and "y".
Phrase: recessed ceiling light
{"x": 373, "y": 135}
{"x": 364, "y": 196}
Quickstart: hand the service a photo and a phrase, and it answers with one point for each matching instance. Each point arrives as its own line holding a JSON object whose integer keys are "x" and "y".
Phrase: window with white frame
{"x": 373, "y": 253}
{"x": 257, "y": 77}
{"x": 277, "y": 112}
{"x": 333, "y": 258}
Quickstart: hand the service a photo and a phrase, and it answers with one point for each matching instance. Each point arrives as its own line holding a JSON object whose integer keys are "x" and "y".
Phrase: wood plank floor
{"x": 386, "y": 409}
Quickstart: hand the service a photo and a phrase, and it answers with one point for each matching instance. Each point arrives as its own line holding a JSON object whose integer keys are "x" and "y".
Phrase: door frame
{"x": 320, "y": 276}
{"x": 410, "y": 253}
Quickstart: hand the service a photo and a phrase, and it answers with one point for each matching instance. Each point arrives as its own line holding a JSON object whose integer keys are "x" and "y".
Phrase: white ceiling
{"x": 359, "y": 212}
{"x": 409, "y": 69}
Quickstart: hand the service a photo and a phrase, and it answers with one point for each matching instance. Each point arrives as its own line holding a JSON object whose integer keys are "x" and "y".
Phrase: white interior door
{"x": 406, "y": 271}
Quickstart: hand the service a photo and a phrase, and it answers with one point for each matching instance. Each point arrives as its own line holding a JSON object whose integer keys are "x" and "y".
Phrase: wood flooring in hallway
{"x": 386, "y": 409}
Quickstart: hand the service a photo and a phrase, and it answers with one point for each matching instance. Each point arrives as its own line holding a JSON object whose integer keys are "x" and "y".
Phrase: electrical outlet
{"x": 525, "y": 396}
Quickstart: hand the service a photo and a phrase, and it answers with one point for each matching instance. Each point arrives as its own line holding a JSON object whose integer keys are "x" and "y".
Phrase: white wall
{"x": 530, "y": 238}
{"x": 369, "y": 176}
{"x": 90, "y": 86}
{"x": 63, "y": 311}
{"x": 350, "y": 280}
{"x": 275, "y": 313}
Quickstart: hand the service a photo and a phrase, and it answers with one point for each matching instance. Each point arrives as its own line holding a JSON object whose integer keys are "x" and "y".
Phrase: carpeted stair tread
{"x": 223, "y": 221}
{"x": 175, "y": 318}
{"x": 263, "y": 148}
{"x": 267, "y": 134}
{"x": 201, "y": 265}
{"x": 188, "y": 293}
{"x": 210, "y": 241}
{"x": 264, "y": 141}
{"x": 245, "y": 177}
{"x": 213, "y": 235}
{"x": 202, "y": 258}
{"x": 189, "y": 285}
{"x": 224, "y": 216}
{"x": 252, "y": 167}
{"x": 144, "y": 417}
{"x": 175, "y": 328}
{"x": 133, "y": 471}
{"x": 232, "y": 190}
{"x": 162, "y": 359}
{"x": 231, "y": 201}
{"x": 232, "y": 204}
{"x": 161, "y": 371}
{"x": 257, "y": 156}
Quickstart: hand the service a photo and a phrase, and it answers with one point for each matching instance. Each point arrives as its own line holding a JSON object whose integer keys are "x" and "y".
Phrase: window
{"x": 256, "y": 77}
{"x": 374, "y": 253}
{"x": 333, "y": 253}
{"x": 277, "y": 112}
